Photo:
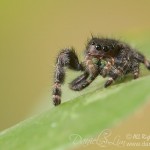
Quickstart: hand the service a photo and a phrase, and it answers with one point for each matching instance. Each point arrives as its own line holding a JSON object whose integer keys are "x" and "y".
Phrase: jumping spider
{"x": 106, "y": 57}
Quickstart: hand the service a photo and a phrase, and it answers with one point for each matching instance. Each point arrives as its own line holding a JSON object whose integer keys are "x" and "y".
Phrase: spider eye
{"x": 98, "y": 47}
{"x": 93, "y": 43}
{"x": 106, "y": 48}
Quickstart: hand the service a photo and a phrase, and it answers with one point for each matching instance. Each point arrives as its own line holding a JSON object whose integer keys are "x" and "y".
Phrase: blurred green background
{"x": 33, "y": 31}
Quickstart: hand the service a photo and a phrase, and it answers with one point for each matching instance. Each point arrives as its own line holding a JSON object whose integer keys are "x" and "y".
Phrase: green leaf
{"x": 85, "y": 115}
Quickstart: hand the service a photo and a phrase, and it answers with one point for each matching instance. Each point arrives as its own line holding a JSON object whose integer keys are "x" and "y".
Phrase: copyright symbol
{"x": 129, "y": 136}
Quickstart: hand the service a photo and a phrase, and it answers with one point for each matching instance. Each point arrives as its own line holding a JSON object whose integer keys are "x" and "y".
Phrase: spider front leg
{"x": 114, "y": 74}
{"x": 118, "y": 69}
{"x": 108, "y": 68}
{"x": 82, "y": 81}
{"x": 76, "y": 83}
{"x": 91, "y": 72}
{"x": 66, "y": 58}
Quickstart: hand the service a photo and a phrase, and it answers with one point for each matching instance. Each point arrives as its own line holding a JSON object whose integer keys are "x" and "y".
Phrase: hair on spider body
{"x": 103, "y": 56}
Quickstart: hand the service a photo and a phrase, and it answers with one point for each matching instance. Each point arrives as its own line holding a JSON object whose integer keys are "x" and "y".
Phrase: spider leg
{"x": 114, "y": 74}
{"x": 121, "y": 67}
{"x": 66, "y": 58}
{"x": 74, "y": 84}
{"x": 142, "y": 59}
{"x": 82, "y": 81}
{"x": 90, "y": 73}
{"x": 135, "y": 69}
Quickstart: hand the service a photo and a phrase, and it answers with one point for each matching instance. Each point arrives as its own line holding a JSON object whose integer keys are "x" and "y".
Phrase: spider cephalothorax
{"x": 105, "y": 57}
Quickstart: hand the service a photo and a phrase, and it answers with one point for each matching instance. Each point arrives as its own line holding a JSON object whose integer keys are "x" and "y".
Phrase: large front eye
{"x": 98, "y": 47}
{"x": 106, "y": 48}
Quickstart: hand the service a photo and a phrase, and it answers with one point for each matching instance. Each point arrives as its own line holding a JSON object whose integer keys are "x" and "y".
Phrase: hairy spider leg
{"x": 142, "y": 59}
{"x": 91, "y": 72}
{"x": 86, "y": 81}
{"x": 114, "y": 74}
{"x": 66, "y": 58}
{"x": 120, "y": 67}
{"x": 139, "y": 58}
{"x": 135, "y": 68}
{"x": 79, "y": 80}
